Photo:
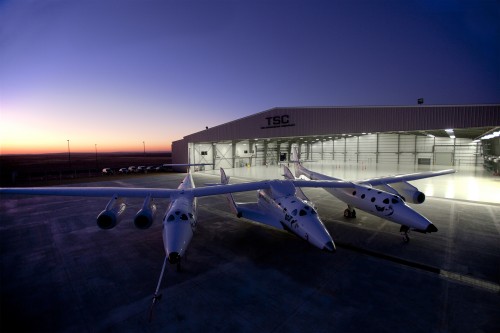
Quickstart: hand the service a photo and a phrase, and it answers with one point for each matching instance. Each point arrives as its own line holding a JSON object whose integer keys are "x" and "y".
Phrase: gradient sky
{"x": 117, "y": 73}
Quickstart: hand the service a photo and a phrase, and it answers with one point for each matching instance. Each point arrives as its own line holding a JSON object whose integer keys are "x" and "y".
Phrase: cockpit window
{"x": 294, "y": 212}
{"x": 170, "y": 218}
{"x": 184, "y": 217}
{"x": 177, "y": 212}
{"x": 302, "y": 212}
{"x": 386, "y": 201}
{"x": 313, "y": 212}
{"x": 190, "y": 215}
{"x": 394, "y": 201}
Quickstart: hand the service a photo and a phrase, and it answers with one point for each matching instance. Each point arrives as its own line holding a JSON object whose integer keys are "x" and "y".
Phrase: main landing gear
{"x": 350, "y": 212}
{"x": 405, "y": 230}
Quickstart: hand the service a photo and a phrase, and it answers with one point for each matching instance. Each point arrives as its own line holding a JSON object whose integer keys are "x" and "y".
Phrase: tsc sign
{"x": 278, "y": 121}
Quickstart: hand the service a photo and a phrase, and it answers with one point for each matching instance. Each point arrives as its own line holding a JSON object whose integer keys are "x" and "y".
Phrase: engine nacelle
{"x": 145, "y": 216}
{"x": 408, "y": 192}
{"x": 112, "y": 214}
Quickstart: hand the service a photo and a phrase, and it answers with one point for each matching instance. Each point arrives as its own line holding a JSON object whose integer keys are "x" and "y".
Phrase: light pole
{"x": 69, "y": 155}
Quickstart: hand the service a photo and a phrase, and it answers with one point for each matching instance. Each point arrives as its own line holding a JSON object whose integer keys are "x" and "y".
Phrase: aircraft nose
{"x": 329, "y": 246}
{"x": 431, "y": 228}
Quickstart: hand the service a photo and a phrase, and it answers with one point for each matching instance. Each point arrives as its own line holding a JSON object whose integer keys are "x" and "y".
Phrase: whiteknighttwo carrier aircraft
{"x": 278, "y": 207}
{"x": 377, "y": 197}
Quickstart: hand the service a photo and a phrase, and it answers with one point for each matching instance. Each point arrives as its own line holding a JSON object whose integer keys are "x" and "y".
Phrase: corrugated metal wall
{"x": 287, "y": 122}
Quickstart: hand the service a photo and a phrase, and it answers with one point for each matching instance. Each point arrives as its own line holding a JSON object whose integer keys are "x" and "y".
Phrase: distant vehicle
{"x": 108, "y": 171}
{"x": 150, "y": 168}
{"x": 141, "y": 168}
{"x": 123, "y": 170}
{"x": 132, "y": 169}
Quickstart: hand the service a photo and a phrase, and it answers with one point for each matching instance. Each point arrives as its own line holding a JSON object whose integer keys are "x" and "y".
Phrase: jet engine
{"x": 408, "y": 192}
{"x": 145, "y": 216}
{"x": 112, "y": 214}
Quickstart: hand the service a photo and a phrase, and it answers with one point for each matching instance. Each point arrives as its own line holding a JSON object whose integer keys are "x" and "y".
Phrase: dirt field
{"x": 53, "y": 169}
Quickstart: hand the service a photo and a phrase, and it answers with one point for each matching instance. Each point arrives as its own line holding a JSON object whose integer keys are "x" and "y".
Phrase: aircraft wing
{"x": 91, "y": 191}
{"x": 131, "y": 192}
{"x": 252, "y": 211}
{"x": 404, "y": 178}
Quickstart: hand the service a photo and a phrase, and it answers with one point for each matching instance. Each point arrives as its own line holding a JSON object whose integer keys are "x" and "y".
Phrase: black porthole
{"x": 353, "y": 192}
{"x": 362, "y": 196}
{"x": 373, "y": 199}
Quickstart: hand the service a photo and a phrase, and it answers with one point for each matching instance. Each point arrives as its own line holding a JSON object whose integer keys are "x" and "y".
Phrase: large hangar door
{"x": 223, "y": 155}
{"x": 202, "y": 153}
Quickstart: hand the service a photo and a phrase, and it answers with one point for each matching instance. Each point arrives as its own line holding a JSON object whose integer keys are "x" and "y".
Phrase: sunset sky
{"x": 118, "y": 73}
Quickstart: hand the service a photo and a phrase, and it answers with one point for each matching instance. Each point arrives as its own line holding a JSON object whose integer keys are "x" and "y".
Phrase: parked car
{"x": 141, "y": 168}
{"x": 108, "y": 171}
{"x": 132, "y": 169}
{"x": 123, "y": 171}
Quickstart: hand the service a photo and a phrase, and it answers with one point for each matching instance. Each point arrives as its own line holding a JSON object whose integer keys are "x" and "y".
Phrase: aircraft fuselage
{"x": 179, "y": 223}
{"x": 374, "y": 201}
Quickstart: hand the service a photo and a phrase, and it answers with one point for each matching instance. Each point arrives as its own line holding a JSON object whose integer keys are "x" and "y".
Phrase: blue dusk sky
{"x": 119, "y": 72}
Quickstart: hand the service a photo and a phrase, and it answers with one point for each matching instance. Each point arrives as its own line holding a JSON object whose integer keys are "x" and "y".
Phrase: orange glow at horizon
{"x": 26, "y": 129}
{"x": 21, "y": 150}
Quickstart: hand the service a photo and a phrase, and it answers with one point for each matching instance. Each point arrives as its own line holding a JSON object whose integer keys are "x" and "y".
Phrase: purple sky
{"x": 117, "y": 73}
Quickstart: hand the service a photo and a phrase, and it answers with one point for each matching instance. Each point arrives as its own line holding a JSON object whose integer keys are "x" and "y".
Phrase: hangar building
{"x": 441, "y": 134}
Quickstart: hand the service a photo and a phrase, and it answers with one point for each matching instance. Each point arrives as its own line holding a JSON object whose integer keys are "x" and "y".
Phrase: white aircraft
{"x": 377, "y": 197}
{"x": 278, "y": 206}
{"x": 283, "y": 206}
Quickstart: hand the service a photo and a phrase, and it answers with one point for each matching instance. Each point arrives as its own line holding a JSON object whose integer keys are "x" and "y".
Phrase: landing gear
{"x": 405, "y": 230}
{"x": 349, "y": 212}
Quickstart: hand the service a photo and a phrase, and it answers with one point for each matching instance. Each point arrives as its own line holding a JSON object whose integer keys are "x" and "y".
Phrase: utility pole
{"x": 144, "y": 144}
{"x": 69, "y": 156}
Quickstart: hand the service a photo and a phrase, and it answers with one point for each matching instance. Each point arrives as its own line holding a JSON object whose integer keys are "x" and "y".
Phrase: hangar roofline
{"x": 342, "y": 107}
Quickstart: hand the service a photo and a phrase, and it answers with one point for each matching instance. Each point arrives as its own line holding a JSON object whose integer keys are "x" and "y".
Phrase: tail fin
{"x": 295, "y": 158}
{"x": 229, "y": 197}
{"x": 223, "y": 178}
{"x": 298, "y": 191}
{"x": 287, "y": 173}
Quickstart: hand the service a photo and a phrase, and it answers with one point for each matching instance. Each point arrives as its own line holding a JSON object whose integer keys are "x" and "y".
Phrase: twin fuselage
{"x": 374, "y": 201}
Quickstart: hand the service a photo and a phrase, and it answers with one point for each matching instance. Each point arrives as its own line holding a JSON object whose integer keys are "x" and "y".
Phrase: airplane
{"x": 377, "y": 197}
{"x": 284, "y": 206}
{"x": 278, "y": 206}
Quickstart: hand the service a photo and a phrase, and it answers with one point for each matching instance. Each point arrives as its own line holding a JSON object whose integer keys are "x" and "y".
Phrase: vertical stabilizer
{"x": 229, "y": 197}
{"x": 287, "y": 173}
{"x": 295, "y": 158}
